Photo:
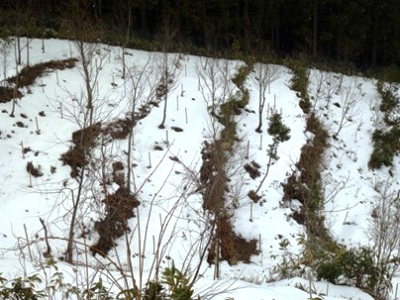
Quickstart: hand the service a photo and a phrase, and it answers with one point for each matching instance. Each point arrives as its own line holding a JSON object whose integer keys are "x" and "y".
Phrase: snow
{"x": 349, "y": 184}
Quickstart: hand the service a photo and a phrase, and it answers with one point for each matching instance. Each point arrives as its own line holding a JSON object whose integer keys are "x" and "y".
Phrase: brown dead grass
{"x": 7, "y": 94}
{"x": 78, "y": 155}
{"x": 29, "y": 74}
{"x": 119, "y": 208}
{"x": 232, "y": 247}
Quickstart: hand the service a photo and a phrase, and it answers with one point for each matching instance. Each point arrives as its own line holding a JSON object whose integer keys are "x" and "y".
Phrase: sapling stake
{"x": 58, "y": 81}
{"x": 28, "y": 243}
{"x": 149, "y": 161}
{"x": 260, "y": 249}
{"x": 261, "y": 140}
{"x": 37, "y": 126}
{"x": 43, "y": 46}
{"x": 166, "y": 138}
{"x": 154, "y": 245}
{"x": 251, "y": 212}
{"x": 345, "y": 218}
{"x": 22, "y": 149}
{"x": 247, "y": 150}
{"x": 186, "y": 115}
{"x": 61, "y": 110}
{"x": 185, "y": 71}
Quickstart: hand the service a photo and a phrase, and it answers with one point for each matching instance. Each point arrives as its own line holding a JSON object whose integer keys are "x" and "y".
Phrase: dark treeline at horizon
{"x": 365, "y": 33}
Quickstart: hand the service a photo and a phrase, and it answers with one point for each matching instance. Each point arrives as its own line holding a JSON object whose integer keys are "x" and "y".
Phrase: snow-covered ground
{"x": 165, "y": 186}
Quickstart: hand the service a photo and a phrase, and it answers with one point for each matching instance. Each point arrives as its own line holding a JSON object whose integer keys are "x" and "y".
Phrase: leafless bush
{"x": 384, "y": 234}
{"x": 264, "y": 75}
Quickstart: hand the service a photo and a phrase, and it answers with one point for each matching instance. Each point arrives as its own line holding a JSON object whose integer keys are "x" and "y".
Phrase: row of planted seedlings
{"x": 304, "y": 184}
{"x": 360, "y": 266}
{"x": 225, "y": 245}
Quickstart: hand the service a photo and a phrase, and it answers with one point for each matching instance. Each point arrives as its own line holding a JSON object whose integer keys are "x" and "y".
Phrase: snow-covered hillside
{"x": 171, "y": 223}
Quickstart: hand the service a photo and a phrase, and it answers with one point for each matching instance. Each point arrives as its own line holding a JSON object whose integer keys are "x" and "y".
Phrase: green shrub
{"x": 386, "y": 146}
{"x": 21, "y": 288}
{"x": 353, "y": 266}
{"x": 177, "y": 283}
{"x": 154, "y": 291}
{"x": 299, "y": 83}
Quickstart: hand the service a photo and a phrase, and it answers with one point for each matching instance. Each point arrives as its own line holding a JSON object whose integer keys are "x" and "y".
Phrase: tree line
{"x": 365, "y": 33}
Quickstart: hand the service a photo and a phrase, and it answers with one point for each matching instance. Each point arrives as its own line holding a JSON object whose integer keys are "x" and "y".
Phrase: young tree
{"x": 169, "y": 68}
{"x": 280, "y": 133}
{"x": 384, "y": 234}
{"x": 5, "y": 51}
{"x": 142, "y": 80}
{"x": 263, "y": 76}
{"x": 349, "y": 105}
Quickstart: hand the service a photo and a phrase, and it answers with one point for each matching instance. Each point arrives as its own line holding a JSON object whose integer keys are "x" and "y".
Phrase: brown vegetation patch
{"x": 253, "y": 170}
{"x": 7, "y": 94}
{"x": 118, "y": 173}
{"x": 232, "y": 247}
{"x": 118, "y": 129}
{"x": 253, "y": 196}
{"x": 28, "y": 75}
{"x": 118, "y": 208}
{"x": 78, "y": 155}
{"x": 34, "y": 171}
{"x": 304, "y": 184}
{"x": 307, "y": 173}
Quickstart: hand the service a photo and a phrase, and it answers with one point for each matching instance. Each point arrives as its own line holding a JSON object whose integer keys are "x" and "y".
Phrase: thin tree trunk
{"x": 70, "y": 245}
{"x": 315, "y": 30}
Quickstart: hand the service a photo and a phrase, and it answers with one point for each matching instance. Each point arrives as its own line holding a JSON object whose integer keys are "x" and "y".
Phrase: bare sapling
{"x": 350, "y": 105}
{"x": 142, "y": 83}
{"x": 326, "y": 85}
{"x": 92, "y": 59}
{"x": 169, "y": 68}
{"x": 384, "y": 234}
{"x": 5, "y": 51}
{"x": 16, "y": 84}
{"x": 209, "y": 75}
{"x": 263, "y": 76}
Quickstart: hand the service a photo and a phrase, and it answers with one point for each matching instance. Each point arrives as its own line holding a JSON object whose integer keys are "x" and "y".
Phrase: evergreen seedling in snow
{"x": 280, "y": 133}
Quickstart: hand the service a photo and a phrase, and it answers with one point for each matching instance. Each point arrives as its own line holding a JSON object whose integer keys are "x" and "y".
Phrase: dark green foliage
{"x": 299, "y": 83}
{"x": 353, "y": 266}
{"x": 386, "y": 146}
{"x": 363, "y": 32}
{"x": 277, "y": 129}
{"x": 154, "y": 291}
{"x": 177, "y": 283}
{"x": 386, "y": 143}
{"x": 21, "y": 288}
